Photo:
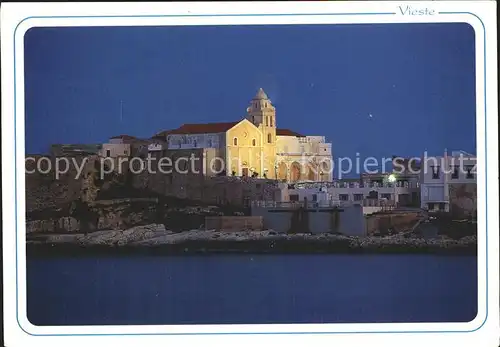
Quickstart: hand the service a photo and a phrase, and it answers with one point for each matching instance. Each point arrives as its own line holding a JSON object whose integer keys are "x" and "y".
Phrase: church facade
{"x": 255, "y": 146}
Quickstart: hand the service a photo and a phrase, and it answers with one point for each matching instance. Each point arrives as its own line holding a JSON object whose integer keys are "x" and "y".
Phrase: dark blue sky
{"x": 417, "y": 81}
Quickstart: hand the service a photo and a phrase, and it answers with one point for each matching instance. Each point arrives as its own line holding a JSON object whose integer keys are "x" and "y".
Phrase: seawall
{"x": 154, "y": 239}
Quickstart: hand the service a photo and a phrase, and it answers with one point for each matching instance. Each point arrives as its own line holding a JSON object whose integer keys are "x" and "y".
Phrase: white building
{"x": 401, "y": 193}
{"x": 350, "y": 191}
{"x": 118, "y": 146}
{"x": 398, "y": 188}
{"x": 303, "y": 158}
{"x": 130, "y": 146}
{"x": 439, "y": 174}
{"x": 324, "y": 196}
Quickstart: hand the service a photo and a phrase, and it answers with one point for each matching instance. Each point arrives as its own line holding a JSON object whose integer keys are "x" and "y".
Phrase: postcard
{"x": 250, "y": 173}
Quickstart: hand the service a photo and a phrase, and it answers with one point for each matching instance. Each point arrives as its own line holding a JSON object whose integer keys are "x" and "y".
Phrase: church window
{"x": 266, "y": 121}
{"x": 269, "y": 138}
{"x": 235, "y": 141}
{"x": 254, "y": 143}
{"x": 271, "y": 120}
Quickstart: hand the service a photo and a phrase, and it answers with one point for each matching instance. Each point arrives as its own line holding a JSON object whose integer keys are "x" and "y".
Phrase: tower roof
{"x": 261, "y": 95}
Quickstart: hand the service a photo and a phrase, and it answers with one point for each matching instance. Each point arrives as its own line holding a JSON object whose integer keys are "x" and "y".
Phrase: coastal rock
{"x": 157, "y": 235}
{"x": 53, "y": 225}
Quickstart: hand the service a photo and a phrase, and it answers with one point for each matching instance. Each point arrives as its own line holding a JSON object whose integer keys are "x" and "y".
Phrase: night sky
{"x": 380, "y": 90}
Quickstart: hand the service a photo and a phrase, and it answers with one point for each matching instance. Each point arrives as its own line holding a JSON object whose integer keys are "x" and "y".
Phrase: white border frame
{"x": 17, "y": 19}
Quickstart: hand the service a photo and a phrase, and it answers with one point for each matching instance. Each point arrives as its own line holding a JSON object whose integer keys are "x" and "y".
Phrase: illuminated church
{"x": 255, "y": 146}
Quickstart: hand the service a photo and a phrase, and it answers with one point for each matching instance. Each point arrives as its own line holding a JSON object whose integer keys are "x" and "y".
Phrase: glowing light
{"x": 392, "y": 178}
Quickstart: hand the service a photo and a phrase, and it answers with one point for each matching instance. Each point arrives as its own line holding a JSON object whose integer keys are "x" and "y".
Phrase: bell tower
{"x": 262, "y": 114}
{"x": 261, "y": 111}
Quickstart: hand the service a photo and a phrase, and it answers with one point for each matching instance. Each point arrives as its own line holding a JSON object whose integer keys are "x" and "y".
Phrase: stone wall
{"x": 118, "y": 214}
{"x": 53, "y": 225}
{"x": 234, "y": 223}
{"x": 44, "y": 189}
{"x": 348, "y": 221}
{"x": 236, "y": 191}
{"x": 398, "y": 222}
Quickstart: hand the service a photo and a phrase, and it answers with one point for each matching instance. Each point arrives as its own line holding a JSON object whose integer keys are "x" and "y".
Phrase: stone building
{"x": 255, "y": 147}
{"x": 118, "y": 146}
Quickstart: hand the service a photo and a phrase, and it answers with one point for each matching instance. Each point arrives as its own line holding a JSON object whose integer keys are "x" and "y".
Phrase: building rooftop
{"x": 206, "y": 128}
{"x": 287, "y": 132}
{"x": 261, "y": 95}
{"x": 463, "y": 153}
{"x": 214, "y": 128}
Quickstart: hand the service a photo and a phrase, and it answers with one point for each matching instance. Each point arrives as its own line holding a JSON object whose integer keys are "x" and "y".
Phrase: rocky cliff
{"x": 119, "y": 214}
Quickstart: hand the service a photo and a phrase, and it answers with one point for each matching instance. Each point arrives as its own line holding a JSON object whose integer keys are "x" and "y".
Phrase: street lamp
{"x": 392, "y": 179}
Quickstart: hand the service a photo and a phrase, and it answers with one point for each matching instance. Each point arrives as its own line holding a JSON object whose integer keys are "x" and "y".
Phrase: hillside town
{"x": 251, "y": 175}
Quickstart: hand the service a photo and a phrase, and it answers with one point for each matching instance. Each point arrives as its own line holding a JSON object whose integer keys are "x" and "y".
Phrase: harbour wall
{"x": 347, "y": 220}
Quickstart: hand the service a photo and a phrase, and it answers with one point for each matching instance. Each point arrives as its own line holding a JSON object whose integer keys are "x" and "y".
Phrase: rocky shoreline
{"x": 155, "y": 240}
